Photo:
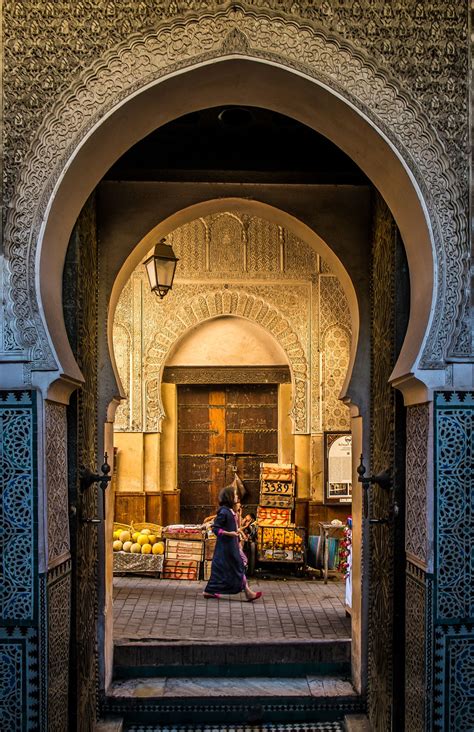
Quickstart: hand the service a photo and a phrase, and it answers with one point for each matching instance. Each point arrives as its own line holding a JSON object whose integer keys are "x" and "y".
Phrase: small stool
{"x": 328, "y": 531}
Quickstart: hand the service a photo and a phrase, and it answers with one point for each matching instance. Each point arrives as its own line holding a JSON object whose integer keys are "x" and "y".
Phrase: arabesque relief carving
{"x": 278, "y": 294}
{"x": 339, "y": 46}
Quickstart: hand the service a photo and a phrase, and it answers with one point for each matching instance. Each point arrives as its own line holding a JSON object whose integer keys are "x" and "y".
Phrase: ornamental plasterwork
{"x": 327, "y": 46}
{"x": 282, "y": 294}
{"x": 260, "y": 304}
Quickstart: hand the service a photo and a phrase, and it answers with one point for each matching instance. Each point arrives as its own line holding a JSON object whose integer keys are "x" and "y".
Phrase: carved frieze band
{"x": 56, "y": 477}
{"x": 303, "y": 46}
{"x": 226, "y": 375}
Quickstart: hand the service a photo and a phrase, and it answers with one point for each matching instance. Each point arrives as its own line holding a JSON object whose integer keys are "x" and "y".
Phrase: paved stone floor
{"x": 149, "y": 608}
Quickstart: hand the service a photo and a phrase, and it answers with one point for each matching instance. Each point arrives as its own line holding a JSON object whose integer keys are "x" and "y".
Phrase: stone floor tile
{"x": 250, "y": 686}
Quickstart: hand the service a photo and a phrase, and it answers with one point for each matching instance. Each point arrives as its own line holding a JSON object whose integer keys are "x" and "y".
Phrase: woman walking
{"x": 227, "y": 570}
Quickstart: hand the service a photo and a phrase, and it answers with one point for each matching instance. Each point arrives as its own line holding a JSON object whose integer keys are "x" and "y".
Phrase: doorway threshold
{"x": 214, "y": 701}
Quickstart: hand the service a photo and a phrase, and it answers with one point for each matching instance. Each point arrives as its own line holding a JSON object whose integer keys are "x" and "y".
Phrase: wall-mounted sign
{"x": 338, "y": 463}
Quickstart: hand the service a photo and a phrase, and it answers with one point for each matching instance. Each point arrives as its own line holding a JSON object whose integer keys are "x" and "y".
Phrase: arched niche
{"x": 354, "y": 384}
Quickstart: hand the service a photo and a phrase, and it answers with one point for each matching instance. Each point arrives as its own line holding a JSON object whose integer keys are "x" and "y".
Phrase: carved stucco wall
{"x": 241, "y": 265}
{"x": 405, "y": 66}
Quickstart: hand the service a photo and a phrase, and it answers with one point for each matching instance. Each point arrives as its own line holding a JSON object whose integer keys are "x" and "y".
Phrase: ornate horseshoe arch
{"x": 195, "y": 41}
{"x": 210, "y": 305}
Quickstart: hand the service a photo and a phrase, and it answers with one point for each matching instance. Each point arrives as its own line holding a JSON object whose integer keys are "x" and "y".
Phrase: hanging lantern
{"x": 160, "y": 268}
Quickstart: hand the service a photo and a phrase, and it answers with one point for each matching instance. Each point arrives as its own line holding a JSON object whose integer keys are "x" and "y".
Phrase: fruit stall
{"x": 138, "y": 548}
{"x": 174, "y": 552}
{"x": 278, "y": 539}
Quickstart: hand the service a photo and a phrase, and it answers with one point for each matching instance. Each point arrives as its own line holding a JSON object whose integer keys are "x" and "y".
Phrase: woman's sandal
{"x": 210, "y": 596}
{"x": 257, "y": 595}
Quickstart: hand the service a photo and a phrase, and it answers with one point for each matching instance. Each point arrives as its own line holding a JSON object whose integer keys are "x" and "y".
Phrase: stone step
{"x": 284, "y": 658}
{"x": 154, "y": 703}
{"x": 230, "y": 688}
{"x": 352, "y": 723}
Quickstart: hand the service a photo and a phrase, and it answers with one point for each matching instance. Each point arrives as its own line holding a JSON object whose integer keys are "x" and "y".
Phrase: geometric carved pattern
{"x": 334, "y": 307}
{"x": 416, "y": 481}
{"x": 333, "y": 54}
{"x": 454, "y": 678}
{"x": 59, "y": 623}
{"x": 18, "y": 520}
{"x": 382, "y": 455}
{"x": 415, "y": 678}
{"x": 19, "y": 689}
{"x": 56, "y": 476}
{"x": 336, "y": 345}
{"x": 454, "y": 477}
{"x": 11, "y": 692}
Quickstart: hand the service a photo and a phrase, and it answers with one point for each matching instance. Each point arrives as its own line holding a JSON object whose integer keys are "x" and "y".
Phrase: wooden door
{"x": 218, "y": 427}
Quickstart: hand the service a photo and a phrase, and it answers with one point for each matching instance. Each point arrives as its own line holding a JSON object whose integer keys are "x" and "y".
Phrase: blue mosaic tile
{"x": 19, "y": 680}
{"x": 18, "y": 519}
{"x": 455, "y": 506}
{"x": 454, "y": 678}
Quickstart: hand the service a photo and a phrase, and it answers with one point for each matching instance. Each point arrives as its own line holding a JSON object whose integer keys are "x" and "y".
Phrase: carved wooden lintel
{"x": 226, "y": 375}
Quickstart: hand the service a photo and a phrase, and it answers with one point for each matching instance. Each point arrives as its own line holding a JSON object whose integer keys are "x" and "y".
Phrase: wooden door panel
{"x": 235, "y": 441}
{"x": 191, "y": 467}
{"x": 196, "y": 395}
{"x": 251, "y": 418}
{"x": 217, "y": 422}
{"x": 195, "y": 415}
{"x": 192, "y": 443}
{"x": 221, "y": 421}
{"x": 261, "y": 443}
{"x": 252, "y": 394}
{"x": 195, "y": 494}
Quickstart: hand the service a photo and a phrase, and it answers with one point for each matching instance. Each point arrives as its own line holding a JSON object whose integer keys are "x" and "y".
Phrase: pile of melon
{"x": 138, "y": 542}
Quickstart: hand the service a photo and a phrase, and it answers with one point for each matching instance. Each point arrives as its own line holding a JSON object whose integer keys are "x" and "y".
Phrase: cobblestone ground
{"x": 175, "y": 610}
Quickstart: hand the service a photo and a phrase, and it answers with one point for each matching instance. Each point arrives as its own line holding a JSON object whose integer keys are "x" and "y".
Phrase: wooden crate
{"x": 274, "y": 516}
{"x": 278, "y": 501}
{"x": 209, "y": 548}
{"x": 180, "y": 569}
{"x": 277, "y": 472}
{"x": 207, "y": 569}
{"x": 186, "y": 533}
{"x": 182, "y": 549}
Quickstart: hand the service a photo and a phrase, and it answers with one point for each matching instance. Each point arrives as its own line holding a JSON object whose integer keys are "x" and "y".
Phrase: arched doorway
{"x": 237, "y": 263}
{"x": 412, "y": 211}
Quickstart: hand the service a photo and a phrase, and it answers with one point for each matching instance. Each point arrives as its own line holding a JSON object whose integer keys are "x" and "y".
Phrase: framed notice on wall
{"x": 338, "y": 467}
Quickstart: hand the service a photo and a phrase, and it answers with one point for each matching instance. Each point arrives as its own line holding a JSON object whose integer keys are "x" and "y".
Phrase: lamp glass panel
{"x": 165, "y": 271}
{"x": 150, "y": 268}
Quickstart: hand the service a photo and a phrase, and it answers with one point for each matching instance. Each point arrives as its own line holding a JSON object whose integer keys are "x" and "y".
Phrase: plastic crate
{"x": 281, "y": 544}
